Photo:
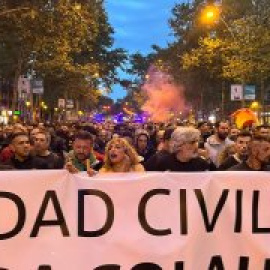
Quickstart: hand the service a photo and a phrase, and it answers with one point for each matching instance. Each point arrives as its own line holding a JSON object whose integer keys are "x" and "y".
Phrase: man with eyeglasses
{"x": 184, "y": 152}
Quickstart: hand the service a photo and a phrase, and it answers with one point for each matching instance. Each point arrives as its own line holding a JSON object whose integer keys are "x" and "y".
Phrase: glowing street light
{"x": 210, "y": 14}
{"x": 77, "y": 7}
{"x": 255, "y": 105}
{"x": 106, "y": 107}
{"x": 96, "y": 75}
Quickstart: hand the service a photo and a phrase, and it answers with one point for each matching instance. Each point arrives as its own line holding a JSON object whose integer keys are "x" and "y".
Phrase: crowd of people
{"x": 132, "y": 147}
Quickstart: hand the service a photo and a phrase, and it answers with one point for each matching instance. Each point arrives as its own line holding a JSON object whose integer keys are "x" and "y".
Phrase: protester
{"x": 101, "y": 141}
{"x": 164, "y": 145}
{"x": 217, "y": 142}
{"x": 259, "y": 155}
{"x": 205, "y": 130}
{"x": 184, "y": 152}
{"x": 241, "y": 151}
{"x": 63, "y": 136}
{"x": 128, "y": 135}
{"x": 233, "y": 133}
{"x": 152, "y": 163}
{"x": 228, "y": 152}
{"x": 7, "y": 152}
{"x": 58, "y": 145}
{"x": 41, "y": 143}
{"x": 143, "y": 146}
{"x": 120, "y": 156}
{"x": 82, "y": 156}
{"x": 33, "y": 133}
{"x": 22, "y": 159}
{"x": 262, "y": 130}
{"x": 160, "y": 139}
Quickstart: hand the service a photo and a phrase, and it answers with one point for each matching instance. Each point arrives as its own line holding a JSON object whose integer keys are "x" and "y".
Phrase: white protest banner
{"x": 51, "y": 220}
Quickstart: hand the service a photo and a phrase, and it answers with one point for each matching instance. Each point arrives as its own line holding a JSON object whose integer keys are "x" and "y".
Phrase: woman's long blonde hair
{"x": 129, "y": 150}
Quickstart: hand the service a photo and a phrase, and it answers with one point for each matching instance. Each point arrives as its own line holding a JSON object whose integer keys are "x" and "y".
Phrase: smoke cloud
{"x": 164, "y": 97}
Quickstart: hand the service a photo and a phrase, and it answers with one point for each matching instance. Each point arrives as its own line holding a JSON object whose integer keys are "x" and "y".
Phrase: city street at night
{"x": 134, "y": 135}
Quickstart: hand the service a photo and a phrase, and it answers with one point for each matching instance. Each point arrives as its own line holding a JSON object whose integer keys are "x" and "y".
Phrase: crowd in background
{"x": 132, "y": 147}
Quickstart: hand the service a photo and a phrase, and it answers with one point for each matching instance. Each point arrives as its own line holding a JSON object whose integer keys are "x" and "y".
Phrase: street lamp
{"x": 77, "y": 6}
{"x": 210, "y": 15}
{"x": 27, "y": 111}
{"x": 257, "y": 108}
{"x": 255, "y": 105}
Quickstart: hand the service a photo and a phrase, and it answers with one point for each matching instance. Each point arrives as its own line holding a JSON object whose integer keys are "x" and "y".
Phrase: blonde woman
{"x": 120, "y": 156}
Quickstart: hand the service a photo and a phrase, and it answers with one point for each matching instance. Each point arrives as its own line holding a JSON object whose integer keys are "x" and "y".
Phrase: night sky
{"x": 138, "y": 24}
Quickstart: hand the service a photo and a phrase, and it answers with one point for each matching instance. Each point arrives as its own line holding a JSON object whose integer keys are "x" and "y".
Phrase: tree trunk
{"x": 15, "y": 86}
{"x": 263, "y": 101}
